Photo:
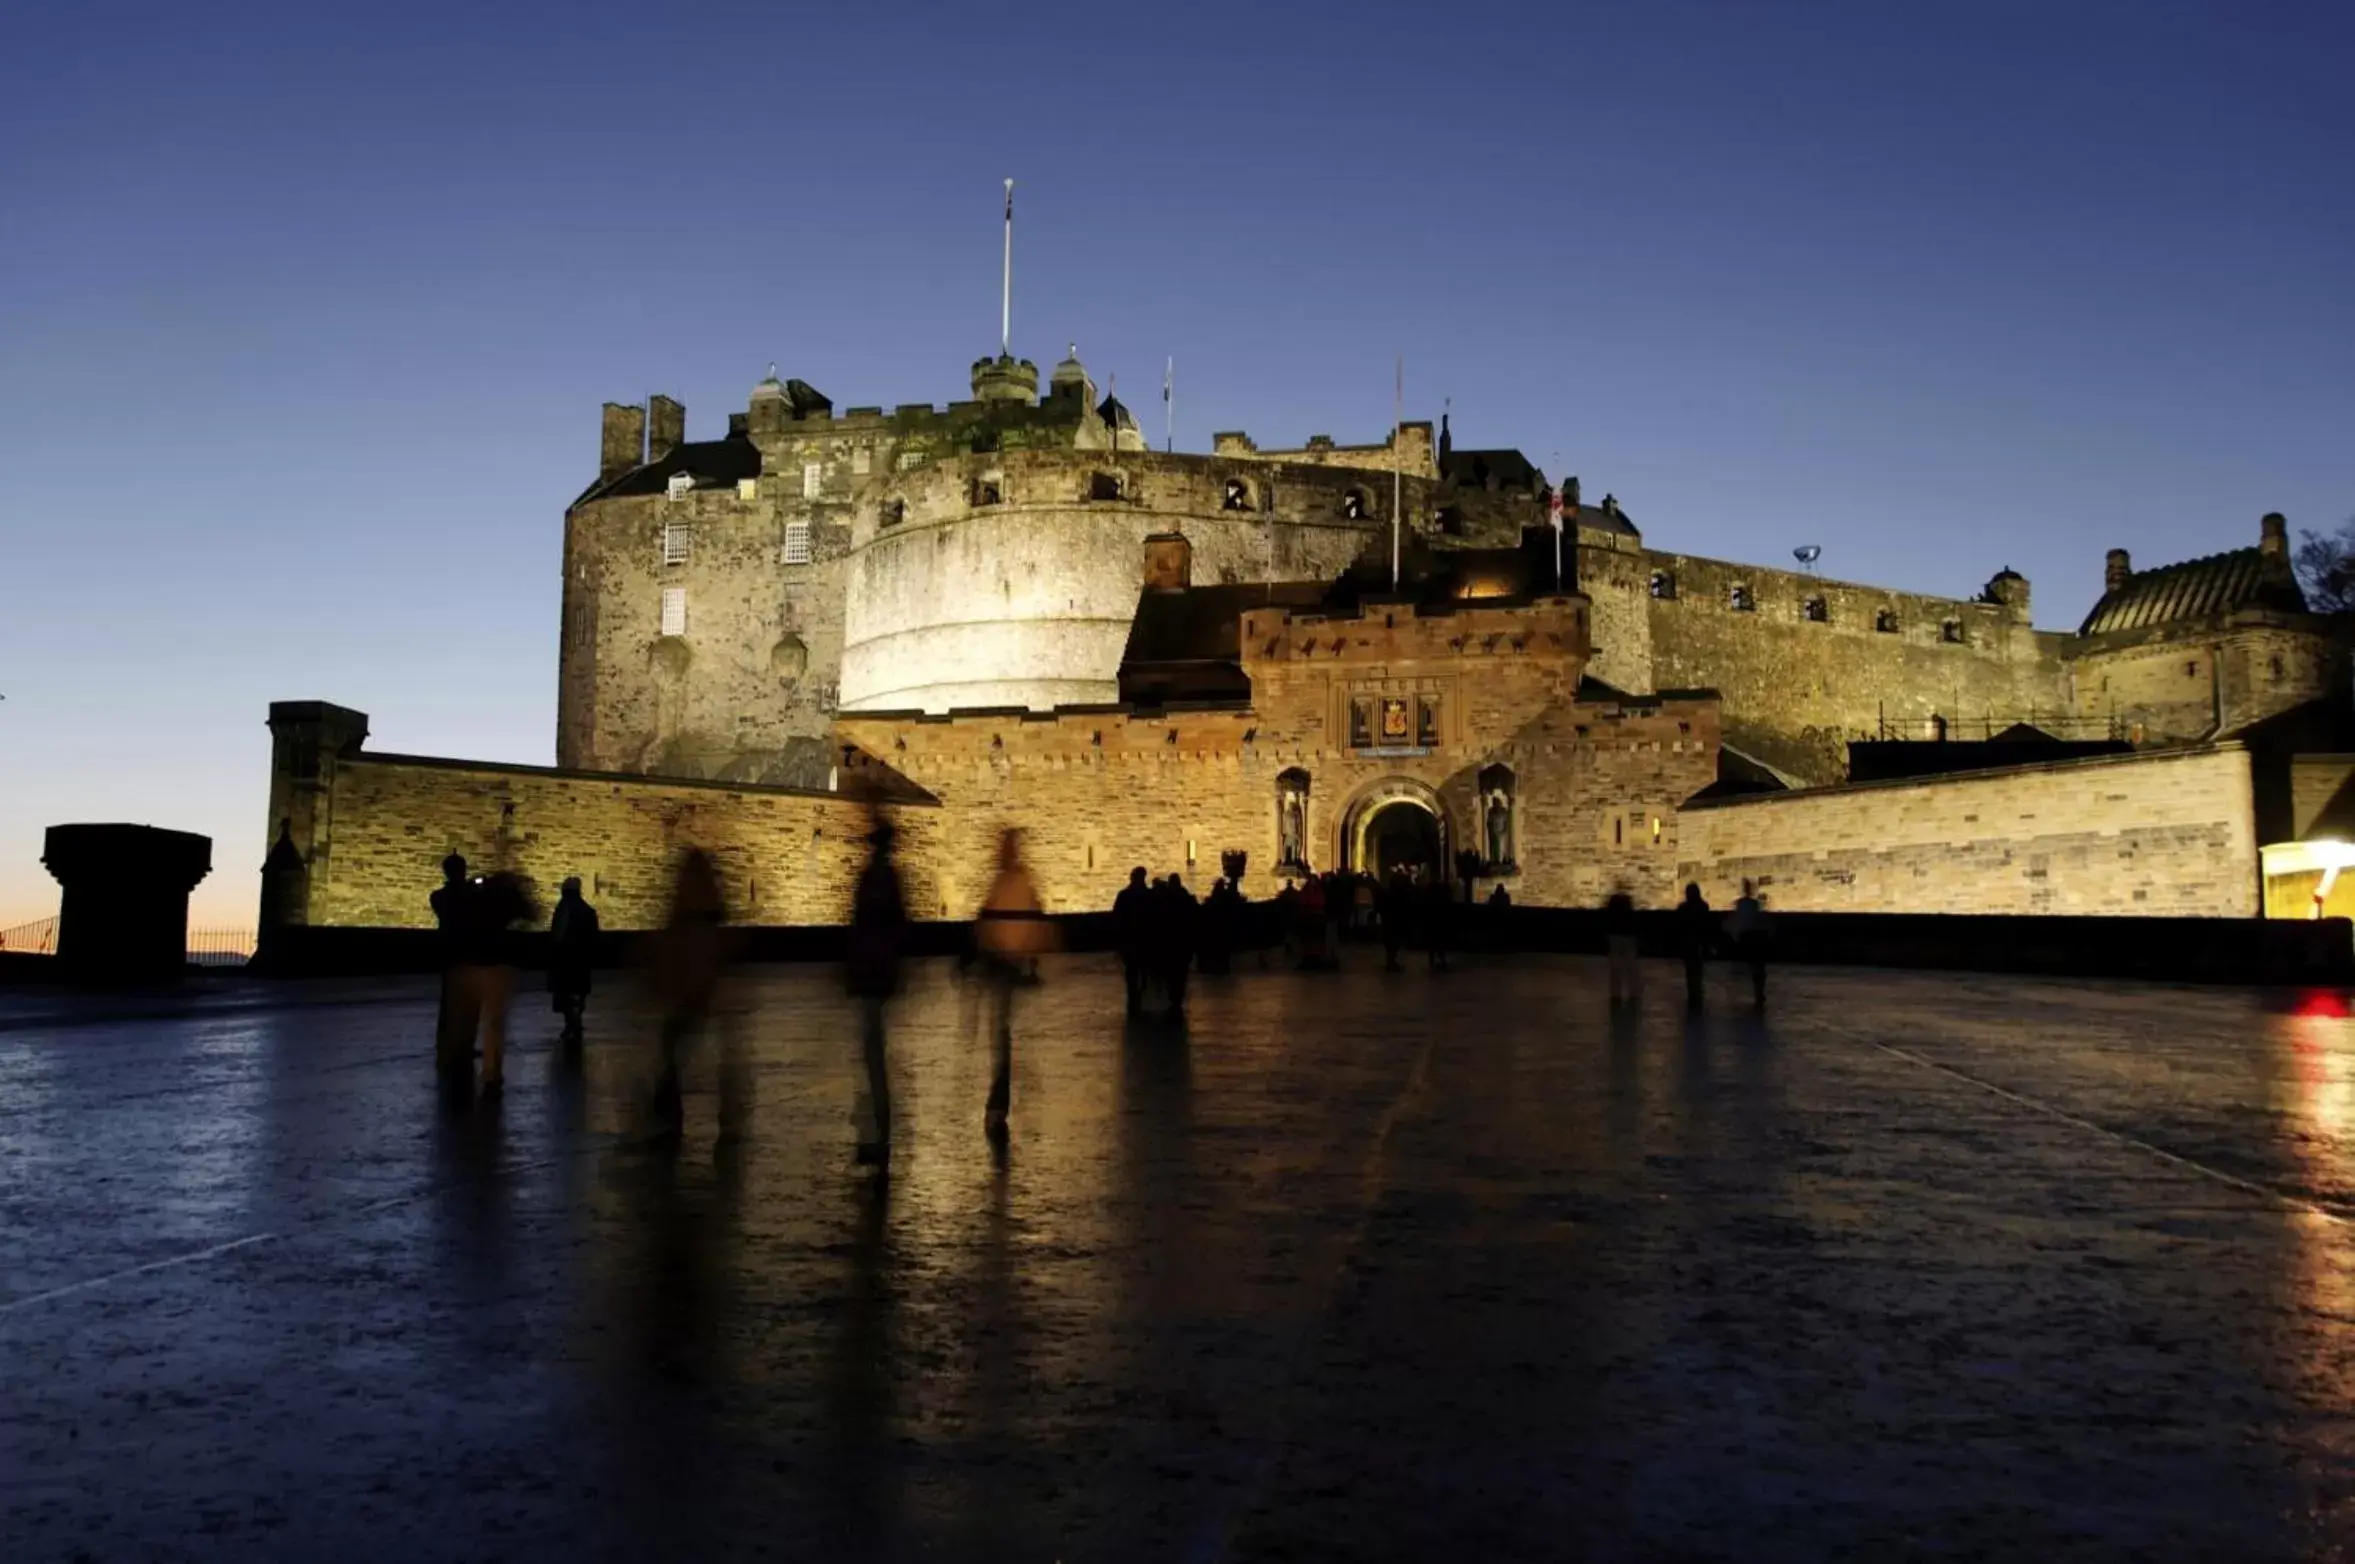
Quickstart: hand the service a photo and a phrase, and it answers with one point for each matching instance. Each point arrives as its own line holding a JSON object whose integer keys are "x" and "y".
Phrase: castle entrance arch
{"x": 1397, "y": 823}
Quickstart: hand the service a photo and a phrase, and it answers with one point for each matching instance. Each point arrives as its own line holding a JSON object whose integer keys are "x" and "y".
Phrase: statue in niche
{"x": 1292, "y": 821}
{"x": 1498, "y": 813}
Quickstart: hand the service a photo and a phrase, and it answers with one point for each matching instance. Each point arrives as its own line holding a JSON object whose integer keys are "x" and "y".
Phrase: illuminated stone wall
{"x": 2169, "y": 833}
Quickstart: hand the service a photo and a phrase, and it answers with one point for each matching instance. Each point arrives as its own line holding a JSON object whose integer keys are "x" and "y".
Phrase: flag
{"x": 1009, "y": 200}
{"x": 1553, "y": 508}
{"x": 1168, "y": 379}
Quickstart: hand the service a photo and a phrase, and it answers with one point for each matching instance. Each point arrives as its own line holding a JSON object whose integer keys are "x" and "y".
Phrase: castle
{"x": 1012, "y": 610}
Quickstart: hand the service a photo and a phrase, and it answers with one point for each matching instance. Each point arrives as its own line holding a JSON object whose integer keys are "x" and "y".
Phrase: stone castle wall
{"x": 2192, "y": 683}
{"x": 2165, "y": 833}
{"x": 785, "y": 856}
{"x": 1797, "y": 690}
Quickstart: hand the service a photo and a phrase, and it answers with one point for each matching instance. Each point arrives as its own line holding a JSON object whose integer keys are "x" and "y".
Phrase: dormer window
{"x": 1885, "y": 622}
{"x": 1740, "y": 600}
{"x": 1663, "y": 584}
{"x": 680, "y": 483}
{"x": 1816, "y": 610}
{"x": 1237, "y": 495}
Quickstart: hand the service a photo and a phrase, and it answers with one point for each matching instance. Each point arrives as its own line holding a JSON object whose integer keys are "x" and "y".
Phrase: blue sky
{"x": 306, "y": 312}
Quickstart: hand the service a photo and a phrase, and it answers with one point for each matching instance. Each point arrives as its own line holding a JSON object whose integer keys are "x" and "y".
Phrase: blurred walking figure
{"x": 1696, "y": 931}
{"x": 1222, "y": 926}
{"x": 1175, "y": 914}
{"x": 1439, "y": 922}
{"x": 1132, "y": 933}
{"x": 572, "y": 957}
{"x": 1752, "y": 933}
{"x": 1619, "y": 925}
{"x": 1009, "y": 937}
{"x": 475, "y": 915}
{"x": 688, "y": 959}
{"x": 1396, "y": 911}
{"x": 878, "y": 924}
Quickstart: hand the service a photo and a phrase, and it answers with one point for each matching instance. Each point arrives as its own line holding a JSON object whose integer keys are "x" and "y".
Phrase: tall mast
{"x": 1397, "y": 480}
{"x": 1006, "y": 296}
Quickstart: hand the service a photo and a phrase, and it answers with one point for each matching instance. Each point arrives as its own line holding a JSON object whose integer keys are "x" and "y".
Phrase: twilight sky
{"x": 306, "y": 311}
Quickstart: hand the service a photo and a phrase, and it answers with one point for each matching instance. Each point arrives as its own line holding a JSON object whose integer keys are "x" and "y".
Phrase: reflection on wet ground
{"x": 1364, "y": 1266}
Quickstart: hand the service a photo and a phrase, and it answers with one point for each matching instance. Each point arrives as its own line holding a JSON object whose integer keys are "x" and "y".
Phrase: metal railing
{"x": 37, "y": 938}
{"x": 220, "y": 947}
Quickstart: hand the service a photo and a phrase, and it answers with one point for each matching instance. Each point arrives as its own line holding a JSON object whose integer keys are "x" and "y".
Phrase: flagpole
{"x": 1169, "y": 407}
{"x": 1397, "y": 478}
{"x": 1006, "y": 297}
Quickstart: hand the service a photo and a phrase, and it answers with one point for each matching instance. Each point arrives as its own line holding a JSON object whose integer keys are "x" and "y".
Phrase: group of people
{"x": 1743, "y": 934}
{"x": 1159, "y": 929}
{"x": 1162, "y": 933}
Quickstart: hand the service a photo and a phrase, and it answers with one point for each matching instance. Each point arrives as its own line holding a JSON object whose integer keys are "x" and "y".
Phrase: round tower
{"x": 1005, "y": 379}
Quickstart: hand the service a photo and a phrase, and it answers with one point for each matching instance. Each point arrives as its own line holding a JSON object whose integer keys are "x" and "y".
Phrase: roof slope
{"x": 2196, "y": 589}
{"x": 713, "y": 464}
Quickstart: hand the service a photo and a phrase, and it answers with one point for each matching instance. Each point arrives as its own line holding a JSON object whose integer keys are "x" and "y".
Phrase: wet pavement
{"x": 1361, "y": 1267}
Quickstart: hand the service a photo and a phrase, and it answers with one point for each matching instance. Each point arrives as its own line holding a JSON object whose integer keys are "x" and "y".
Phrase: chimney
{"x": 2273, "y": 535}
{"x": 666, "y": 427}
{"x": 625, "y": 440}
{"x": 2116, "y": 567}
{"x": 1169, "y": 562}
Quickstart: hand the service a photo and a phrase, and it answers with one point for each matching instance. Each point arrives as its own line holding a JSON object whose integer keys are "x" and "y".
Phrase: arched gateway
{"x": 1396, "y": 823}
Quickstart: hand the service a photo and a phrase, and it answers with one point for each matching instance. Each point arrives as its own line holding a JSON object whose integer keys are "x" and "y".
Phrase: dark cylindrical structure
{"x": 124, "y": 921}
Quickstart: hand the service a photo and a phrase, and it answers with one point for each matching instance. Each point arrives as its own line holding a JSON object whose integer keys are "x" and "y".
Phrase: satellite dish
{"x": 1808, "y": 554}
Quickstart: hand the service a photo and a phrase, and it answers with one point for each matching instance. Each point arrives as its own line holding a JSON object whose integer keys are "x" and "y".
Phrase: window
{"x": 1740, "y": 600}
{"x": 862, "y": 461}
{"x": 680, "y": 483}
{"x": 908, "y": 459}
{"x": 1885, "y": 622}
{"x": 797, "y": 543}
{"x": 987, "y": 491}
{"x": 2276, "y": 663}
{"x": 1663, "y": 584}
{"x": 2191, "y": 670}
{"x": 1361, "y": 723}
{"x": 1427, "y": 722}
{"x": 1356, "y": 505}
{"x": 1104, "y": 486}
{"x": 677, "y": 539}
{"x": 1951, "y": 632}
{"x": 1817, "y": 611}
{"x": 674, "y": 610}
{"x": 813, "y": 479}
{"x": 1237, "y": 495}
{"x": 894, "y": 512}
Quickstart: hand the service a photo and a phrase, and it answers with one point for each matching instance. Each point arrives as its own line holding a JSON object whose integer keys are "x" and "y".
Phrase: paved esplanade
{"x": 1403, "y": 1267}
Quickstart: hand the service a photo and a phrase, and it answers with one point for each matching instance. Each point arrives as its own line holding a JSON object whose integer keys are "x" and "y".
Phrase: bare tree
{"x": 2325, "y": 563}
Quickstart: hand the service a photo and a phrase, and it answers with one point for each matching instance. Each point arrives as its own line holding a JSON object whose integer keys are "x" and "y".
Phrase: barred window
{"x": 677, "y": 539}
{"x": 674, "y": 610}
{"x": 797, "y": 543}
{"x": 813, "y": 479}
{"x": 862, "y": 461}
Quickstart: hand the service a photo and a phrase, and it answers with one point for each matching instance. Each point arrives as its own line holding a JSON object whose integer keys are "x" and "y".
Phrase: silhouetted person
{"x": 1309, "y": 922}
{"x": 1010, "y": 935}
{"x": 1438, "y": 910}
{"x": 475, "y": 915}
{"x": 572, "y": 957}
{"x": 1500, "y": 898}
{"x": 1619, "y": 926}
{"x": 1174, "y": 915}
{"x": 1696, "y": 932}
{"x": 878, "y": 925}
{"x": 1752, "y": 935}
{"x": 1132, "y": 935}
{"x": 688, "y": 959}
{"x": 1222, "y": 926}
{"x": 1396, "y": 909}
{"x": 453, "y": 1029}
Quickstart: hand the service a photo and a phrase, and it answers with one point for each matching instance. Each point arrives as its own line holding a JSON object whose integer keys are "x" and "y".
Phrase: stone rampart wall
{"x": 1796, "y": 690}
{"x": 785, "y": 856}
{"x": 2147, "y": 834}
{"x": 2194, "y": 682}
